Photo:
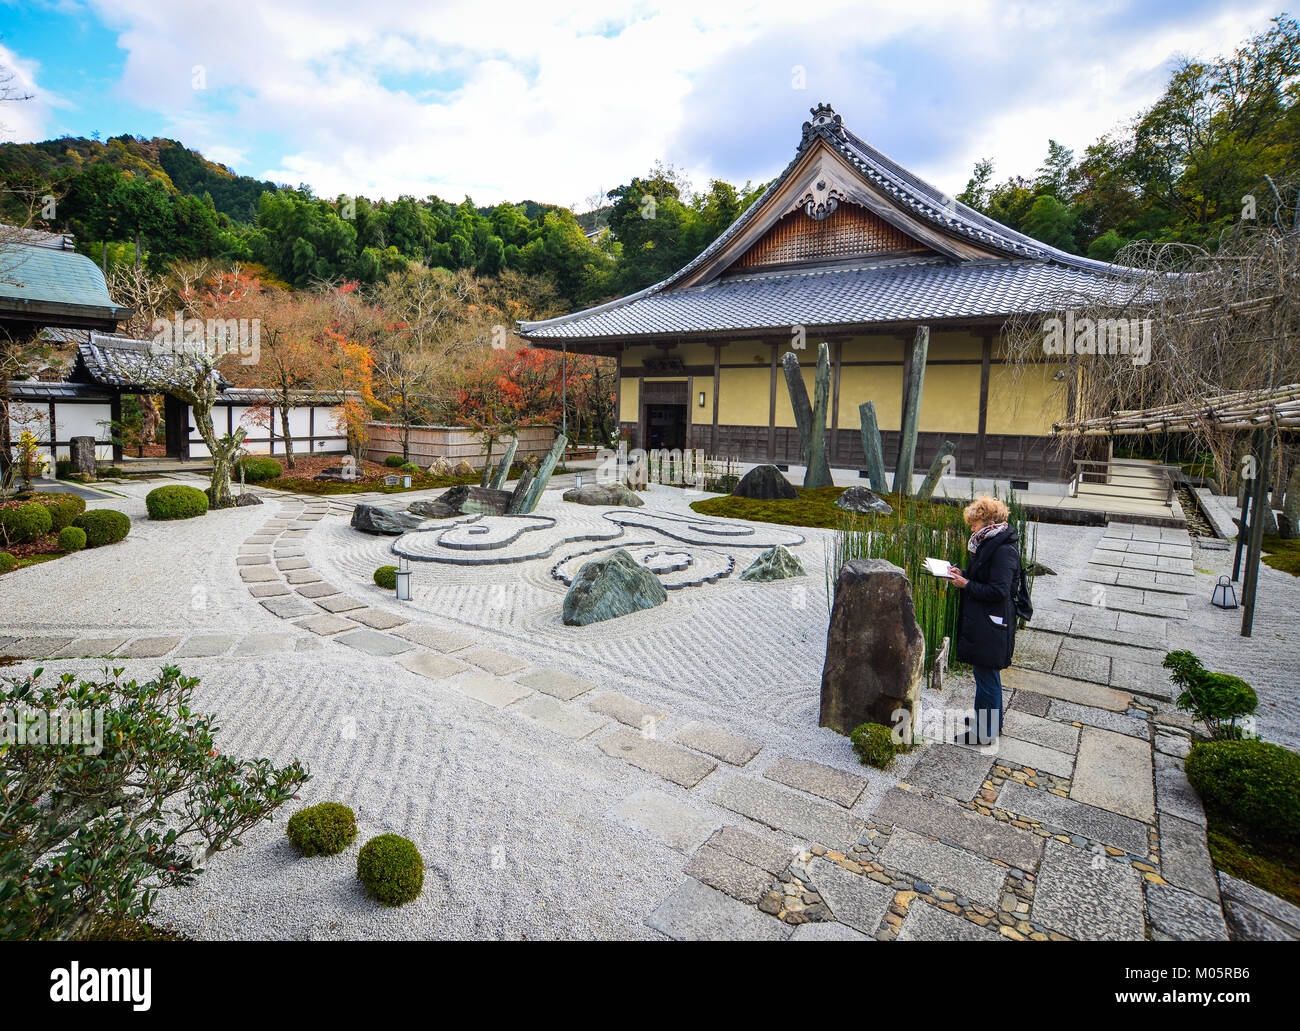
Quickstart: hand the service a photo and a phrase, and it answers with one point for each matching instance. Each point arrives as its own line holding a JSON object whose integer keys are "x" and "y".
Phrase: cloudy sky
{"x": 555, "y": 102}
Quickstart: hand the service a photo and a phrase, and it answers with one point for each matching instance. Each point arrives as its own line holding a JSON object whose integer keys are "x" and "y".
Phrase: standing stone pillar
{"x": 525, "y": 500}
{"x": 871, "y": 449}
{"x": 503, "y": 469}
{"x": 911, "y": 412}
{"x": 803, "y": 415}
{"x": 83, "y": 455}
{"x": 926, "y": 491}
{"x": 818, "y": 472}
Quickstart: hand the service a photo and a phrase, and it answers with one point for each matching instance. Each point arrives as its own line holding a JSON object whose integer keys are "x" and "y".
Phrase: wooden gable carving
{"x": 846, "y": 231}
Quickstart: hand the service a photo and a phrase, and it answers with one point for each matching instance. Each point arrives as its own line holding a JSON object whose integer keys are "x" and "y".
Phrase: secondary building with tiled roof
{"x": 848, "y": 247}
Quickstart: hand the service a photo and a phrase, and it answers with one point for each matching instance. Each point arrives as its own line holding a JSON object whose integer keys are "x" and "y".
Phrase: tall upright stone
{"x": 526, "y": 496}
{"x": 1289, "y": 525}
{"x": 803, "y": 415}
{"x": 912, "y": 388}
{"x": 818, "y": 472}
{"x": 875, "y": 651}
{"x": 503, "y": 468}
{"x": 82, "y": 450}
{"x": 875, "y": 459}
{"x": 926, "y": 490}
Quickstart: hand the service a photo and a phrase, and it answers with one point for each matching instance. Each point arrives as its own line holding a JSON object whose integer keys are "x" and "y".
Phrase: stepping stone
{"x": 88, "y": 646}
{"x": 205, "y": 645}
{"x": 665, "y": 819}
{"x": 718, "y": 742}
{"x": 325, "y": 624}
{"x": 268, "y": 590}
{"x": 253, "y": 560}
{"x": 487, "y": 688}
{"x": 432, "y": 665}
{"x": 963, "y": 827}
{"x": 371, "y": 641}
{"x": 1028, "y": 701}
{"x": 1076, "y": 818}
{"x": 303, "y": 576}
{"x": 265, "y": 644}
{"x": 1114, "y": 773}
{"x": 575, "y": 724}
{"x": 1035, "y": 757}
{"x": 945, "y": 866}
{"x": 1082, "y": 665}
{"x": 289, "y": 607}
{"x": 1173, "y": 744}
{"x": 258, "y": 575}
{"x": 828, "y": 931}
{"x": 927, "y": 923}
{"x": 340, "y": 603}
{"x": 1103, "y": 719}
{"x": 320, "y": 590}
{"x": 1057, "y": 736}
{"x": 823, "y": 781}
{"x": 956, "y": 772}
{"x": 378, "y": 619}
{"x": 1185, "y": 857}
{"x": 1088, "y": 896}
{"x": 855, "y": 900}
{"x": 1067, "y": 690}
{"x": 254, "y": 549}
{"x": 494, "y": 661}
{"x": 675, "y": 764}
{"x": 1184, "y": 916}
{"x": 148, "y": 647}
{"x": 626, "y": 710}
{"x": 1176, "y": 796}
{"x": 1151, "y": 681}
{"x": 37, "y": 647}
{"x": 752, "y": 849}
{"x": 556, "y": 684}
{"x": 735, "y": 877}
{"x": 1279, "y": 911}
{"x": 1251, "y": 925}
{"x": 429, "y": 637}
{"x": 696, "y": 912}
{"x": 794, "y": 814}
{"x": 1037, "y": 650}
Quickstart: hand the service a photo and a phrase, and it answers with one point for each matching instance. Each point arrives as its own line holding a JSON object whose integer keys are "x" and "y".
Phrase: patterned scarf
{"x": 982, "y": 534}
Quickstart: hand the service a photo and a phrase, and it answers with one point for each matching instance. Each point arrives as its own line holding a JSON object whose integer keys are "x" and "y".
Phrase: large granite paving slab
{"x": 1278, "y": 910}
{"x": 1039, "y": 731}
{"x": 828, "y": 931}
{"x": 372, "y": 642}
{"x": 816, "y": 779}
{"x": 431, "y": 637}
{"x": 854, "y": 899}
{"x": 944, "y": 866}
{"x": 739, "y": 879}
{"x": 1075, "y": 818}
{"x": 555, "y": 683}
{"x": 626, "y": 710}
{"x": 675, "y": 764}
{"x": 696, "y": 912}
{"x": 794, "y": 814}
{"x": 1012, "y": 750}
{"x": 90, "y": 646}
{"x": 926, "y": 923}
{"x": 558, "y": 718}
{"x": 1103, "y": 719}
{"x": 1185, "y": 856}
{"x": 1088, "y": 896}
{"x": 950, "y": 770}
{"x": 1114, "y": 772}
{"x": 664, "y": 818}
{"x": 204, "y": 646}
{"x": 718, "y": 742}
{"x": 1180, "y": 915}
{"x": 1175, "y": 794}
{"x": 149, "y": 647}
{"x": 963, "y": 827}
{"x": 1079, "y": 691}
{"x": 433, "y": 665}
{"x": 487, "y": 688}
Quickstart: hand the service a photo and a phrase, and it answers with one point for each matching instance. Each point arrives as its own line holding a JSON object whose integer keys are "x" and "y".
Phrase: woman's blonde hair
{"x": 985, "y": 509}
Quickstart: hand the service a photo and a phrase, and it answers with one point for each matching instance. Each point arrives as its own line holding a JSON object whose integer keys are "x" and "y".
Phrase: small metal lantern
{"x": 1225, "y": 597}
{"x": 403, "y": 580}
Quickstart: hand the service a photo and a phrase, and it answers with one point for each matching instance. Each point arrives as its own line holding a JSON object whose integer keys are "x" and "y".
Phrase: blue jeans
{"x": 988, "y": 703}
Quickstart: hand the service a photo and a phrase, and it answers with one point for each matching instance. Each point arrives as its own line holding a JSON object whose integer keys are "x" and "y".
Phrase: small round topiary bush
{"x": 391, "y": 868}
{"x": 259, "y": 467}
{"x": 7, "y": 562}
{"x": 72, "y": 538}
{"x": 322, "y": 830}
{"x": 408, "y": 467}
{"x": 393, "y": 461}
{"x": 22, "y": 523}
{"x": 103, "y": 526}
{"x": 1252, "y": 783}
{"x": 386, "y": 577}
{"x": 874, "y": 743}
{"x": 176, "y": 501}
{"x": 63, "y": 508}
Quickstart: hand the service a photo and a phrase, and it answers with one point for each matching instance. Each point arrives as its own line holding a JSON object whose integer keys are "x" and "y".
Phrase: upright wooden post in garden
{"x": 912, "y": 384}
{"x": 1259, "y": 498}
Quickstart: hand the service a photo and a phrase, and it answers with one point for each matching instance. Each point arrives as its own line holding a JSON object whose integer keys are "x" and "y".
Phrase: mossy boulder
{"x": 609, "y": 586}
{"x": 7, "y": 562}
{"x": 875, "y": 745}
{"x": 775, "y": 563}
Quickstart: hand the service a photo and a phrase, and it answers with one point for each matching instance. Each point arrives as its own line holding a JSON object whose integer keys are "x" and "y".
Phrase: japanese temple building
{"x": 848, "y": 247}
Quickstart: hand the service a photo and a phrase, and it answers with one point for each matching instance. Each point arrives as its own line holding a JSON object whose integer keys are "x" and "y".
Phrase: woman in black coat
{"x": 986, "y": 612}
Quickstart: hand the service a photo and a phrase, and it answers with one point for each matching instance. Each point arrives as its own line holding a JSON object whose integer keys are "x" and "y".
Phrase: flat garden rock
{"x": 378, "y": 520}
{"x": 864, "y": 501}
{"x": 603, "y": 494}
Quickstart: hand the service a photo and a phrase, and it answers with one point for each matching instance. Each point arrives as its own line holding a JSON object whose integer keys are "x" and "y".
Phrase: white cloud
{"x": 23, "y": 120}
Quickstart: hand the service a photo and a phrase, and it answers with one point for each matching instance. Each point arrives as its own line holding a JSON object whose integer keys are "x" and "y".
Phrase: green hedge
{"x": 386, "y": 577}
{"x": 394, "y": 461}
{"x": 391, "y": 868}
{"x": 103, "y": 526}
{"x": 7, "y": 562}
{"x": 258, "y": 468}
{"x": 322, "y": 830}
{"x": 176, "y": 501}
{"x": 72, "y": 538}
{"x": 1252, "y": 783}
{"x": 22, "y": 523}
{"x": 63, "y": 508}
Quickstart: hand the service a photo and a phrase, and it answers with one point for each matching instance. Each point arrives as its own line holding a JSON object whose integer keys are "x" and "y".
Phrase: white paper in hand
{"x": 937, "y": 567}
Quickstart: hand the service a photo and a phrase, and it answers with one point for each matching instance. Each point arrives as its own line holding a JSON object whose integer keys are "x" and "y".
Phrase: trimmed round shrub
{"x": 7, "y": 562}
{"x": 23, "y": 523}
{"x": 176, "y": 501}
{"x": 408, "y": 467}
{"x": 63, "y": 508}
{"x": 1255, "y": 784}
{"x": 322, "y": 830}
{"x": 259, "y": 467}
{"x": 393, "y": 461}
{"x": 874, "y": 743}
{"x": 391, "y": 868}
{"x": 386, "y": 577}
{"x": 103, "y": 526}
{"x": 72, "y": 538}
